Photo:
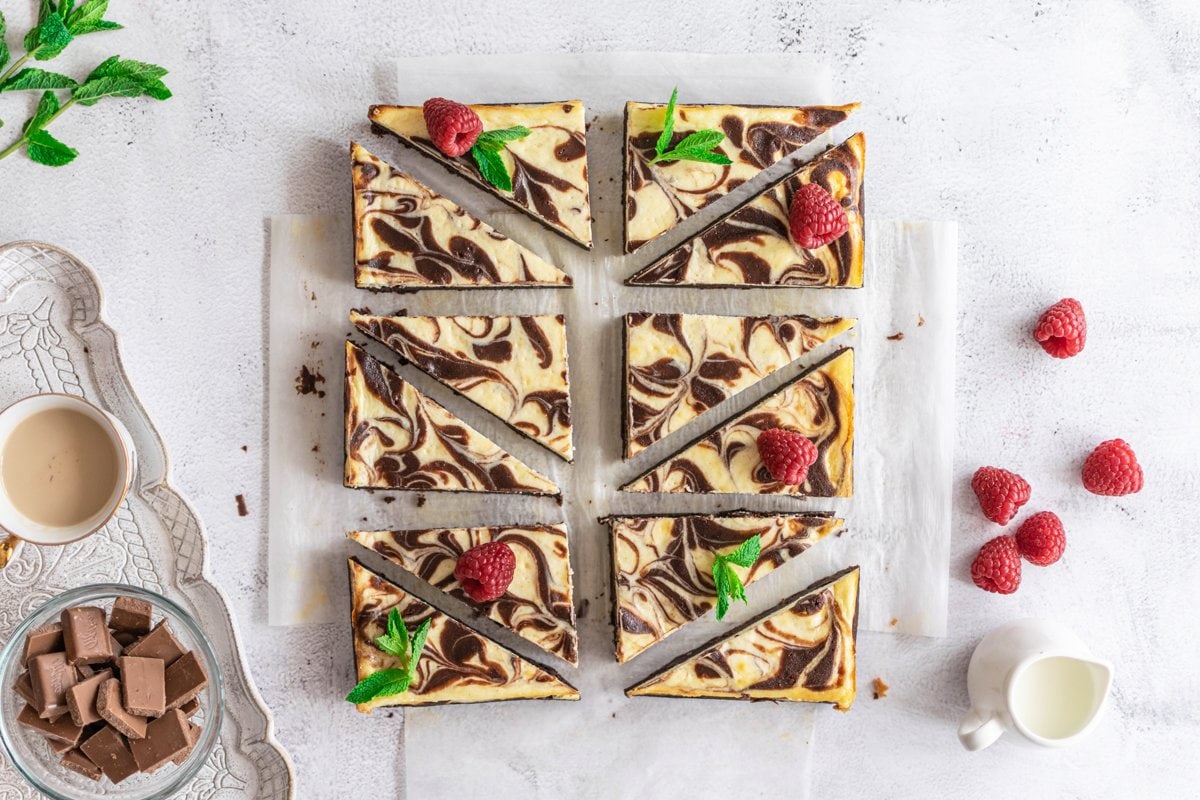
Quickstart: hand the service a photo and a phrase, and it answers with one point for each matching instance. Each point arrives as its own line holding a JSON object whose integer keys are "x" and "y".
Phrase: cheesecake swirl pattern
{"x": 538, "y": 604}
{"x": 818, "y": 404}
{"x": 680, "y": 365}
{"x": 663, "y": 566}
{"x": 407, "y": 236}
{"x": 548, "y": 167}
{"x": 803, "y": 650}
{"x": 396, "y": 438}
{"x": 660, "y": 196}
{"x": 457, "y": 665}
{"x": 753, "y": 247}
{"x": 514, "y": 367}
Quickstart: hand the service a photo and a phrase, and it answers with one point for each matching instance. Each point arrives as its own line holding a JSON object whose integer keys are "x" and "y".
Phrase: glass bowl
{"x": 31, "y": 755}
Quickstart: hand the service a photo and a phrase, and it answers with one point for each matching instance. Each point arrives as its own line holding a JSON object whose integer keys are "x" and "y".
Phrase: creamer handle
{"x": 977, "y": 731}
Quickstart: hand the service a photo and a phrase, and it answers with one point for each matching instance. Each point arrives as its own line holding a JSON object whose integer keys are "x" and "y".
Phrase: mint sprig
{"x": 729, "y": 586}
{"x": 696, "y": 146}
{"x": 397, "y": 643}
{"x": 486, "y": 152}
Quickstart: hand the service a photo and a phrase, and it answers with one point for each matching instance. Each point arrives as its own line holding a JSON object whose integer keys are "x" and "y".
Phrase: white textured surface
{"x": 1062, "y": 136}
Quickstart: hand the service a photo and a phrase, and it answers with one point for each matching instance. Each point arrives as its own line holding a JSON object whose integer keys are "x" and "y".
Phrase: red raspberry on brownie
{"x": 786, "y": 454}
{"x": 997, "y": 568}
{"x": 486, "y": 570}
{"x": 815, "y": 218}
{"x": 1112, "y": 469}
{"x": 1062, "y": 329}
{"x": 452, "y": 126}
{"x": 1041, "y": 538}
{"x": 1000, "y": 493}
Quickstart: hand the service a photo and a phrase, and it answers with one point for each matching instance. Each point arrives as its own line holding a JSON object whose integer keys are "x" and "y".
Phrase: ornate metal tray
{"x": 53, "y": 339}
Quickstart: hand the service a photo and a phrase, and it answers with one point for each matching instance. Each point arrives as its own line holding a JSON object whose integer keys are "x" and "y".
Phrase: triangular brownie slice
{"x": 548, "y": 167}
{"x": 752, "y": 246}
{"x": 458, "y": 665}
{"x": 513, "y": 366}
{"x": 662, "y": 566}
{"x": 407, "y": 236}
{"x": 818, "y": 403}
{"x": 677, "y": 366}
{"x": 538, "y": 604}
{"x": 802, "y": 650}
{"x": 658, "y": 196}
{"x": 397, "y": 438}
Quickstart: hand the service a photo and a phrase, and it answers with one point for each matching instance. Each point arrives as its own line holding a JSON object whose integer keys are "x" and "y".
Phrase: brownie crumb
{"x": 314, "y": 345}
{"x": 420, "y": 500}
{"x": 880, "y": 688}
{"x": 894, "y": 622}
{"x": 389, "y": 499}
{"x": 316, "y": 448}
{"x": 582, "y": 612}
{"x": 920, "y": 321}
{"x": 245, "y": 449}
{"x": 897, "y": 336}
{"x": 241, "y": 506}
{"x": 307, "y": 380}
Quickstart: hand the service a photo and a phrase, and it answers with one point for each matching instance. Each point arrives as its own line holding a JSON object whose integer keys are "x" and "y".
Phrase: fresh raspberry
{"x": 786, "y": 454}
{"x": 1062, "y": 329}
{"x": 486, "y": 570}
{"x": 997, "y": 568}
{"x": 1000, "y": 493}
{"x": 1041, "y": 538}
{"x": 1112, "y": 469}
{"x": 815, "y": 218}
{"x": 452, "y": 126}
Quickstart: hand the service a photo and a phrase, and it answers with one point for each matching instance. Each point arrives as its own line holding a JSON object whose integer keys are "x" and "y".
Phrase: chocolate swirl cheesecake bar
{"x": 660, "y": 195}
{"x": 662, "y": 565}
{"x": 803, "y": 650}
{"x": 457, "y": 665}
{"x": 548, "y": 167}
{"x": 537, "y": 605}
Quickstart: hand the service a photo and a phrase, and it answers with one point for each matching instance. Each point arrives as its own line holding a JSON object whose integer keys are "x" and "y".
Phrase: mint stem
{"x": 12, "y": 148}
{"x": 16, "y": 65}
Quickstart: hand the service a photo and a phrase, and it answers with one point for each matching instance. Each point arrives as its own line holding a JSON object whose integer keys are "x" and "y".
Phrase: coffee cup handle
{"x": 8, "y": 547}
{"x": 977, "y": 731}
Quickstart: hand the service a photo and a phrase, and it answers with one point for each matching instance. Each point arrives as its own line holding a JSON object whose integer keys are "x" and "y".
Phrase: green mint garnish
{"x": 486, "y": 152}
{"x": 729, "y": 585}
{"x": 397, "y": 643}
{"x": 697, "y": 146}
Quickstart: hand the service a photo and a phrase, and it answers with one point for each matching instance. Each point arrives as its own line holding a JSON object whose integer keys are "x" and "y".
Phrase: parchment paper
{"x": 898, "y": 520}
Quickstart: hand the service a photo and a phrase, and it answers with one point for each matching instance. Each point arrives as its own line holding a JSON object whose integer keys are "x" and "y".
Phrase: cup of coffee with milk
{"x": 65, "y": 467}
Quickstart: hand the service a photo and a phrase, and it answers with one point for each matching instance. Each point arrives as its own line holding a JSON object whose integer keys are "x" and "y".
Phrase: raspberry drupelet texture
{"x": 452, "y": 126}
{"x": 485, "y": 571}
{"x": 997, "y": 568}
{"x": 1000, "y": 493}
{"x": 1112, "y": 469}
{"x": 1042, "y": 539}
{"x": 786, "y": 454}
{"x": 1062, "y": 329}
{"x": 815, "y": 218}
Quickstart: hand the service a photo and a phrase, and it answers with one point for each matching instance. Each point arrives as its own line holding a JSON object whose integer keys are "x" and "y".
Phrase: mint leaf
{"x": 385, "y": 683}
{"x": 491, "y": 167}
{"x": 418, "y": 645}
{"x": 700, "y": 140}
{"x": 52, "y": 38}
{"x": 396, "y": 628}
{"x": 668, "y": 130}
{"x": 721, "y": 581}
{"x": 45, "y": 149}
{"x": 495, "y": 140}
{"x": 747, "y": 552}
{"x": 4, "y": 54}
{"x": 89, "y": 18}
{"x": 32, "y": 78}
{"x": 47, "y": 107}
{"x": 117, "y": 78}
{"x": 737, "y": 591}
{"x": 693, "y": 155}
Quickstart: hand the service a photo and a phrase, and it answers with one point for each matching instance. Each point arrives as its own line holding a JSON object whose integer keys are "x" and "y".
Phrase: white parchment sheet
{"x": 898, "y": 521}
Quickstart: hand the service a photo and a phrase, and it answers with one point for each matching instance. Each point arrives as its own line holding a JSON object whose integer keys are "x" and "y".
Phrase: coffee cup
{"x": 65, "y": 467}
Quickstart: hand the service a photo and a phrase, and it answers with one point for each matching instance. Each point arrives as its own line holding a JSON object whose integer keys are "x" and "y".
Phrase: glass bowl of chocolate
{"x": 109, "y": 691}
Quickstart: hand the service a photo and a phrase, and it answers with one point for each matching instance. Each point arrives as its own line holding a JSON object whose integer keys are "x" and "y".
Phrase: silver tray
{"x": 54, "y": 339}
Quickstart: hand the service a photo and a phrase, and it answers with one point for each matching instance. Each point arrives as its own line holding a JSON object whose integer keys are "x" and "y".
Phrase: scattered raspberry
{"x": 786, "y": 454}
{"x": 1112, "y": 469}
{"x": 1000, "y": 493}
{"x": 997, "y": 568}
{"x": 452, "y": 126}
{"x": 1041, "y": 538}
{"x": 1062, "y": 330}
{"x": 486, "y": 570}
{"x": 816, "y": 219}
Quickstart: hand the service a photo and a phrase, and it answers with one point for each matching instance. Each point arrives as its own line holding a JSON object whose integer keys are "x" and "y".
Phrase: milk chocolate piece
{"x": 24, "y": 687}
{"x": 130, "y": 615}
{"x": 193, "y": 736}
{"x": 125, "y": 638}
{"x": 85, "y": 671}
{"x": 111, "y": 754}
{"x": 186, "y": 678}
{"x": 51, "y": 677}
{"x": 41, "y": 640}
{"x": 86, "y": 635}
{"x": 191, "y": 707}
{"x": 108, "y": 706}
{"x": 166, "y": 739}
{"x": 62, "y": 729}
{"x": 76, "y": 761}
{"x": 59, "y": 748}
{"x": 143, "y": 685}
{"x": 81, "y": 698}
{"x": 118, "y": 649}
{"x": 159, "y": 643}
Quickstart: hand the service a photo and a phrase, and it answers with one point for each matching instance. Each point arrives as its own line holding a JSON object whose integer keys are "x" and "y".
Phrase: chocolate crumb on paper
{"x": 241, "y": 506}
{"x": 896, "y": 337}
{"x": 245, "y": 449}
{"x": 920, "y": 321}
{"x": 583, "y": 609}
{"x": 894, "y": 622}
{"x": 420, "y": 500}
{"x": 389, "y": 499}
{"x": 880, "y": 688}
{"x": 307, "y": 380}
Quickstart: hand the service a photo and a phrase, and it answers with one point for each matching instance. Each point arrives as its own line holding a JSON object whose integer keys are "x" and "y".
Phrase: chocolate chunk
{"x": 85, "y": 671}
{"x": 193, "y": 736}
{"x": 130, "y": 615}
{"x": 108, "y": 706}
{"x": 124, "y": 638}
{"x": 59, "y": 748}
{"x": 81, "y": 698}
{"x": 86, "y": 635}
{"x": 24, "y": 687}
{"x": 118, "y": 649}
{"x": 111, "y": 754}
{"x": 166, "y": 738}
{"x": 159, "y": 643}
{"x": 76, "y": 761}
{"x": 62, "y": 729}
{"x": 51, "y": 677}
{"x": 143, "y": 685}
{"x": 41, "y": 640}
{"x": 186, "y": 678}
{"x": 191, "y": 707}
